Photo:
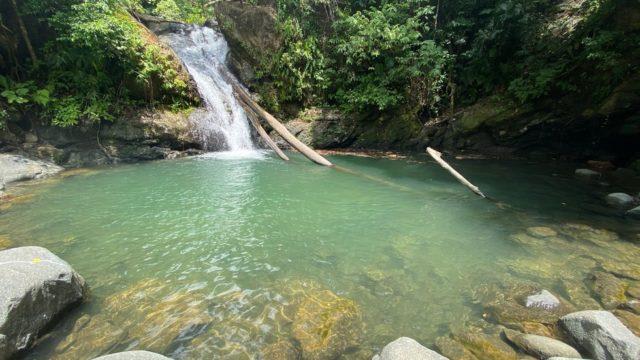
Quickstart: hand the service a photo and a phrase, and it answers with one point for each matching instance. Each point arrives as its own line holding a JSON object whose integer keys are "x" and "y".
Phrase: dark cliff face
{"x": 251, "y": 33}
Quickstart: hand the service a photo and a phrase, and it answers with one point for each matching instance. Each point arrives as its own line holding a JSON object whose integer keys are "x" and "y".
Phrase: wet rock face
{"x": 453, "y": 350}
{"x": 601, "y": 335}
{"x": 326, "y": 325}
{"x": 251, "y": 33}
{"x": 133, "y": 355}
{"x": 36, "y": 287}
{"x": 407, "y": 349}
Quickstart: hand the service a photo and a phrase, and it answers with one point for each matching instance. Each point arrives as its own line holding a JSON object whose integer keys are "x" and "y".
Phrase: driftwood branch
{"x": 280, "y": 129}
{"x": 256, "y": 124}
{"x": 437, "y": 156}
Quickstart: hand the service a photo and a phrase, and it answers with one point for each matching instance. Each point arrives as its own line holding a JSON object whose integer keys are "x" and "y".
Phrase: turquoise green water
{"x": 205, "y": 257}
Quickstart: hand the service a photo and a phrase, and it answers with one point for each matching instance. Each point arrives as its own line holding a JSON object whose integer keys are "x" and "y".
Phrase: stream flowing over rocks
{"x": 36, "y": 287}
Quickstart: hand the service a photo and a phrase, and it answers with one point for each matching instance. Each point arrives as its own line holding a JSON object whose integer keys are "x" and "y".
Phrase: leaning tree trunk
{"x": 281, "y": 129}
{"x": 437, "y": 156}
{"x": 25, "y": 34}
{"x": 256, "y": 124}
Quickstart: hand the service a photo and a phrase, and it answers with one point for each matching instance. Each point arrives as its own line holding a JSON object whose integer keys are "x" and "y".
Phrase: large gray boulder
{"x": 133, "y": 355}
{"x": 541, "y": 346}
{"x": 620, "y": 200}
{"x": 35, "y": 287}
{"x": 406, "y": 348}
{"x": 601, "y": 335}
{"x": 18, "y": 168}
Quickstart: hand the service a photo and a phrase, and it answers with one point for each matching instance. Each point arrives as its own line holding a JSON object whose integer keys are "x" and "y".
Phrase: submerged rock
{"x": 19, "y": 168}
{"x": 609, "y": 290}
{"x": 541, "y": 231}
{"x": 544, "y": 299}
{"x": 634, "y": 213}
{"x": 282, "y": 350}
{"x": 541, "y": 346}
{"x": 484, "y": 345}
{"x": 453, "y": 350}
{"x": 133, "y": 355}
{"x": 406, "y": 348}
{"x": 620, "y": 200}
{"x": 5, "y": 243}
{"x": 582, "y": 232}
{"x": 579, "y": 295}
{"x": 601, "y": 335}
{"x": 622, "y": 269}
{"x": 587, "y": 174}
{"x": 36, "y": 287}
{"x": 630, "y": 320}
{"x": 142, "y": 314}
{"x": 326, "y": 325}
{"x": 509, "y": 309}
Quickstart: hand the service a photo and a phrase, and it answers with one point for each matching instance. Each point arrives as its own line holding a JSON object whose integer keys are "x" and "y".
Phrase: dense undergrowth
{"x": 414, "y": 58}
{"x": 79, "y": 62}
{"x": 433, "y": 55}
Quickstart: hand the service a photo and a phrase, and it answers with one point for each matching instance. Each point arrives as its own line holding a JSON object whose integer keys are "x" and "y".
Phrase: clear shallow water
{"x": 207, "y": 257}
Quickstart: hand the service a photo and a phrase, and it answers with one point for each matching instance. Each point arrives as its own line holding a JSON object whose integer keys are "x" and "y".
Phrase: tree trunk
{"x": 25, "y": 34}
{"x": 437, "y": 156}
{"x": 281, "y": 129}
{"x": 265, "y": 136}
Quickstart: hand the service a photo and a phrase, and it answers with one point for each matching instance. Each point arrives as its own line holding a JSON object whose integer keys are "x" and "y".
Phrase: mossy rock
{"x": 282, "y": 350}
{"x": 453, "y": 349}
{"x": 507, "y": 308}
{"x": 609, "y": 289}
{"x": 327, "y": 325}
{"x": 629, "y": 319}
{"x": 582, "y": 232}
{"x": 5, "y": 242}
{"x": 489, "y": 112}
{"x": 485, "y": 345}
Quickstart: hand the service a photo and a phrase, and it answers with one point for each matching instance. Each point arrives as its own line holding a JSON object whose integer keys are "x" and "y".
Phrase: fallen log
{"x": 280, "y": 129}
{"x": 437, "y": 156}
{"x": 264, "y": 135}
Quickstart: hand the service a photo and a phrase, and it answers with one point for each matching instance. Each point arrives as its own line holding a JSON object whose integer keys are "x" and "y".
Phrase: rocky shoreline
{"x": 39, "y": 288}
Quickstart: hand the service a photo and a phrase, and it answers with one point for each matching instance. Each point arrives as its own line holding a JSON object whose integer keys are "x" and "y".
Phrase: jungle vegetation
{"x": 78, "y": 61}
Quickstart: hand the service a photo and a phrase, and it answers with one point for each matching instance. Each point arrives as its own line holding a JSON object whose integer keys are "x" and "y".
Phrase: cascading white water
{"x": 224, "y": 125}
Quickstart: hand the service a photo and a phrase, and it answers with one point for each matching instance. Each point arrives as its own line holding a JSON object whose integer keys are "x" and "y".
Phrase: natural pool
{"x": 213, "y": 257}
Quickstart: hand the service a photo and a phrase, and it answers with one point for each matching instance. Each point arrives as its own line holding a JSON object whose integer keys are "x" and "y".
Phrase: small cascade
{"x": 224, "y": 124}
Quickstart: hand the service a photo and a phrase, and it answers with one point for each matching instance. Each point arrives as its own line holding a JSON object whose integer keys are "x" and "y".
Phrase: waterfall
{"x": 224, "y": 124}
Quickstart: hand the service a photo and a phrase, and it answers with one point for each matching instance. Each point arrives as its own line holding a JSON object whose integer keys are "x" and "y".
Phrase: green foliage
{"x": 99, "y": 62}
{"x": 385, "y": 59}
{"x": 298, "y": 69}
